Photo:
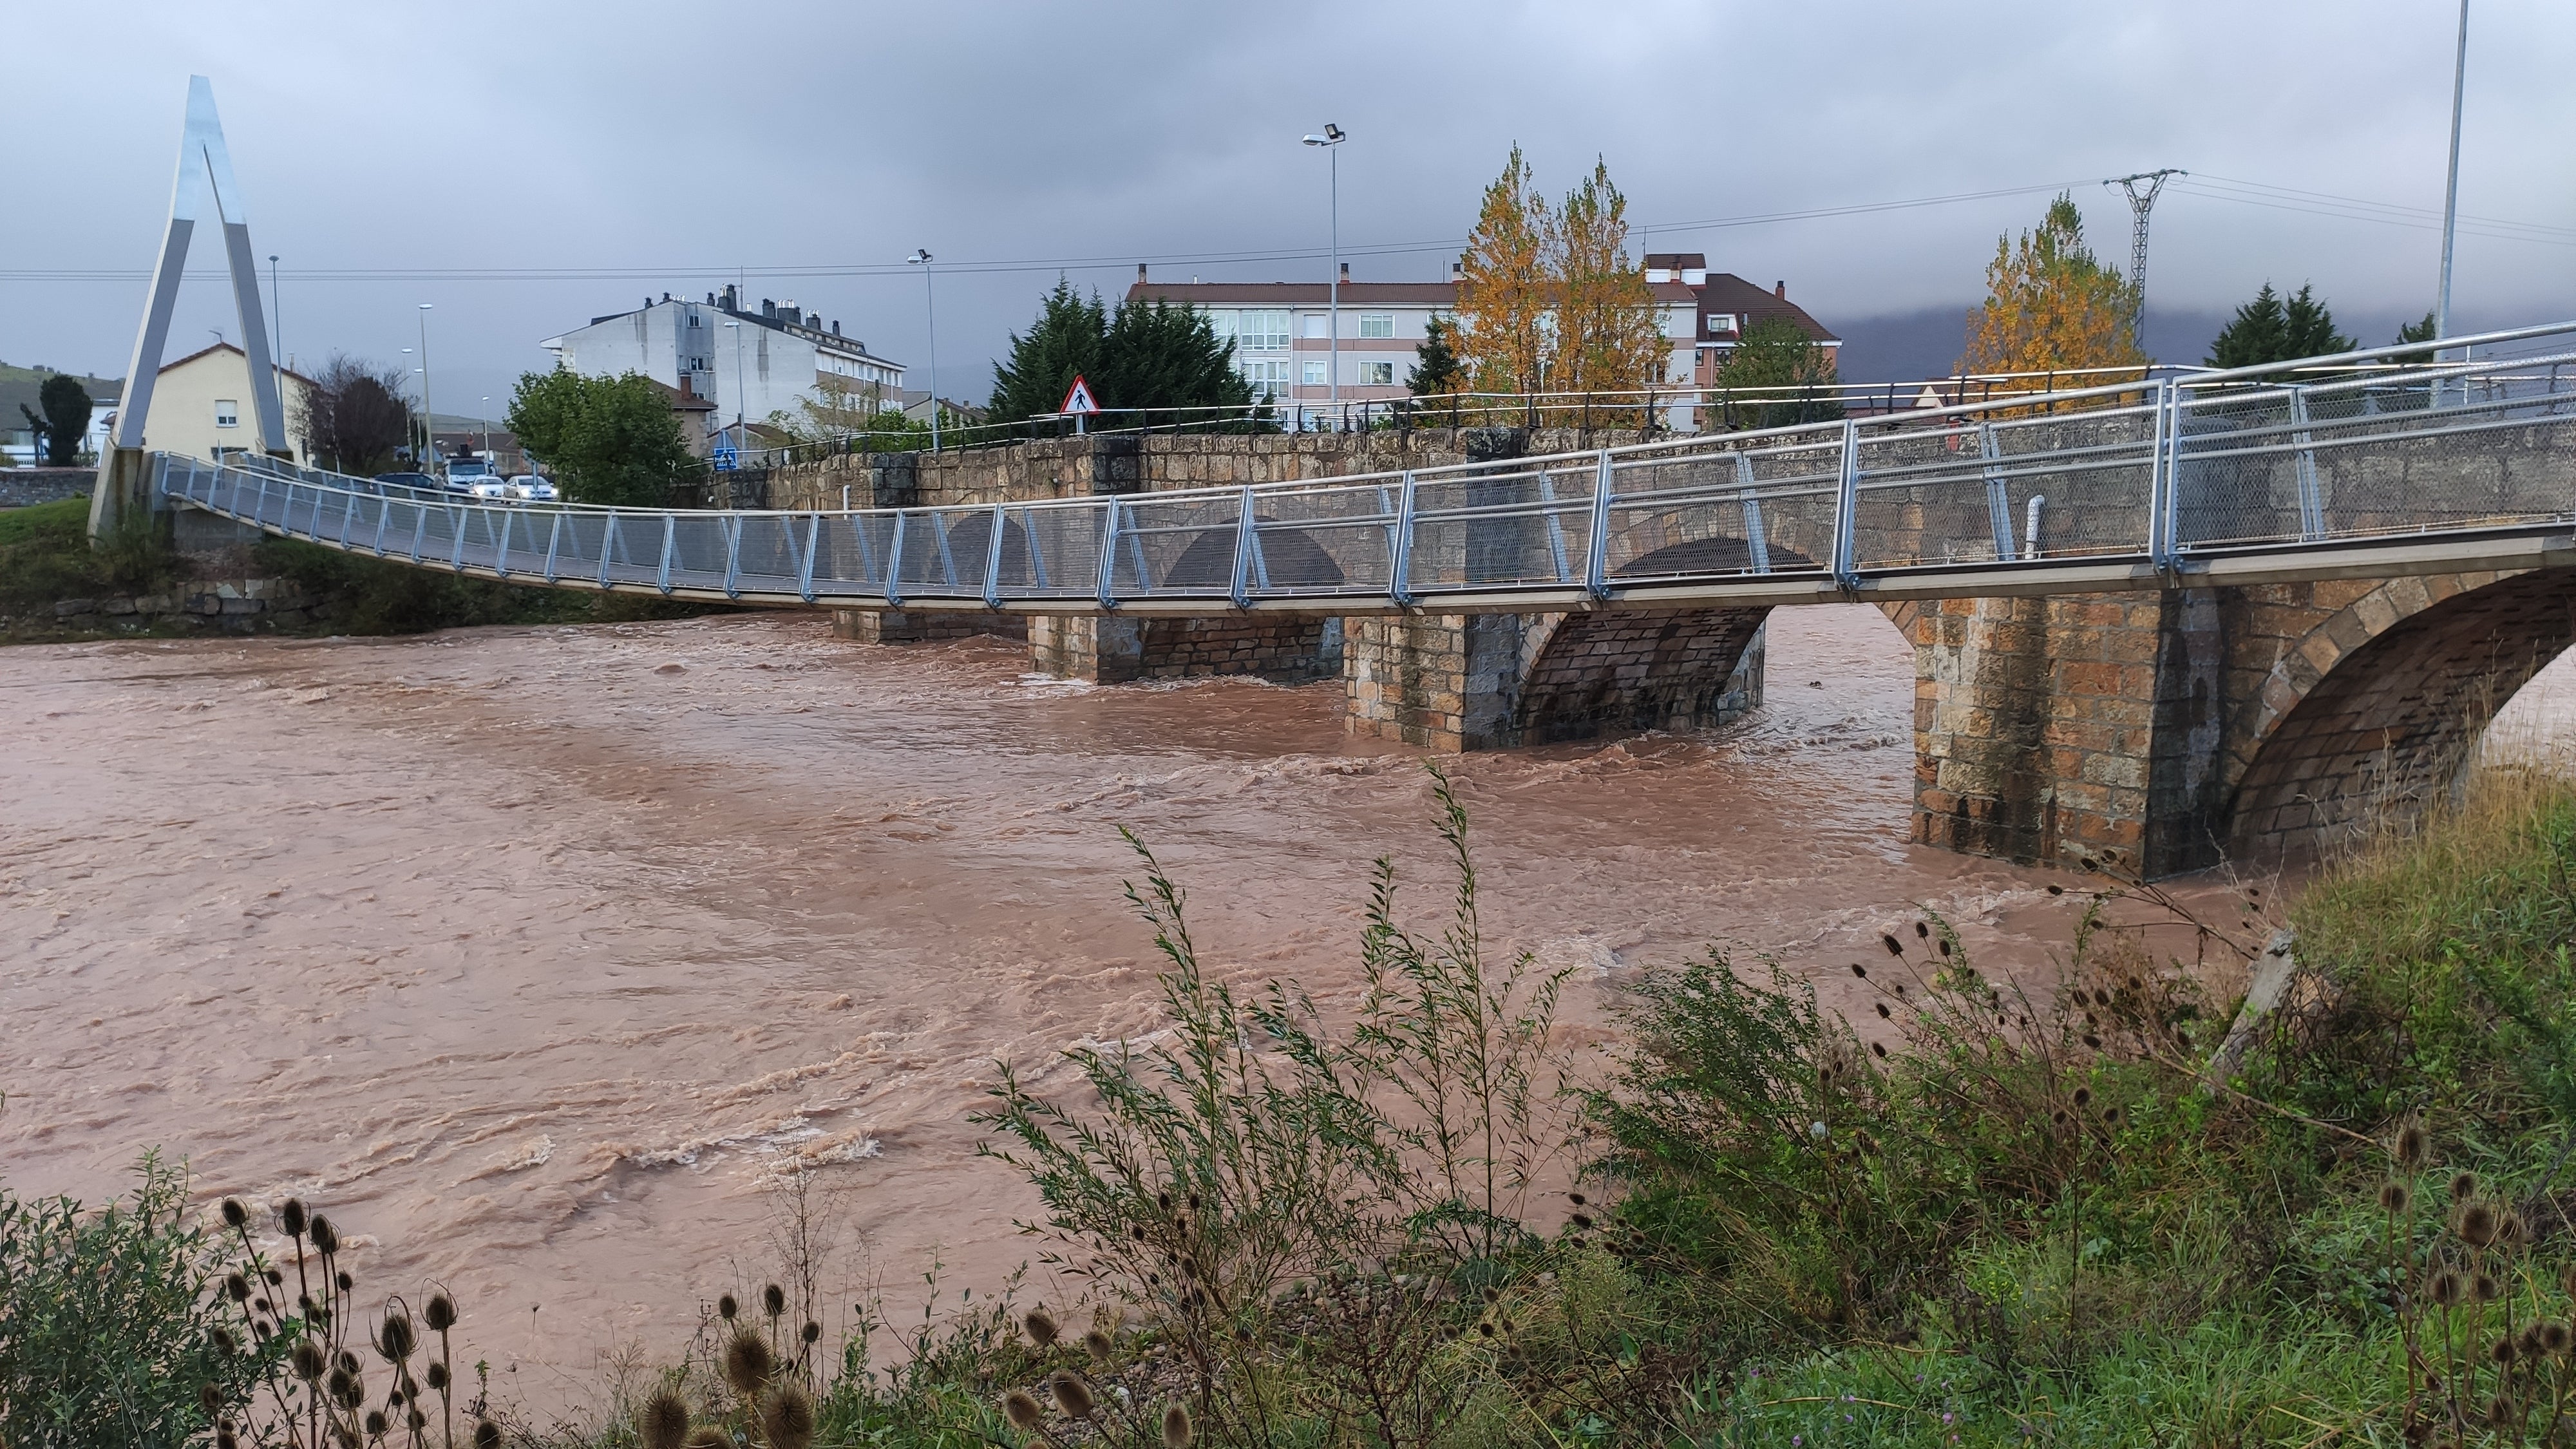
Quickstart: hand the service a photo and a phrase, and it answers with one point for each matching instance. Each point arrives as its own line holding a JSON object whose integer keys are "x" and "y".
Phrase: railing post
{"x": 1757, "y": 534}
{"x": 993, "y": 559}
{"x": 419, "y": 528}
{"x": 1109, "y": 557}
{"x": 259, "y": 504}
{"x": 894, "y": 563}
{"x": 607, "y": 548}
{"x": 1998, "y": 495}
{"x": 2312, "y": 509}
{"x": 732, "y": 525}
{"x": 1555, "y": 525}
{"x": 1243, "y": 545}
{"x": 554, "y": 539}
{"x": 501, "y": 550}
{"x": 670, "y": 535}
{"x": 805, "y": 568}
{"x": 456, "y": 533}
{"x": 2160, "y": 551}
{"x": 1400, "y": 567}
{"x": 1596, "y": 540}
{"x": 1847, "y": 512}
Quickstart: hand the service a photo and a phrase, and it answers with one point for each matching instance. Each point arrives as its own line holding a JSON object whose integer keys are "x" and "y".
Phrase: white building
{"x": 201, "y": 406}
{"x": 749, "y": 364}
{"x": 1283, "y": 332}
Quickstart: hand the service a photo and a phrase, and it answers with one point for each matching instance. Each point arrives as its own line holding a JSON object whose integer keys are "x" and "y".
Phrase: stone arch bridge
{"x": 2164, "y": 622}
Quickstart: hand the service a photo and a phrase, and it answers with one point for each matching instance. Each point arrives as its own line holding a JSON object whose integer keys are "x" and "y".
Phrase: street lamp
{"x": 1333, "y": 136}
{"x": 277, "y": 316}
{"x": 408, "y": 373}
{"x": 487, "y": 428}
{"x": 428, "y": 419}
{"x": 2451, "y": 189}
{"x": 930, "y": 305}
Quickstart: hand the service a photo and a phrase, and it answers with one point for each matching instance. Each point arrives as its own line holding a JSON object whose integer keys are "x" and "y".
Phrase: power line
{"x": 2140, "y": 204}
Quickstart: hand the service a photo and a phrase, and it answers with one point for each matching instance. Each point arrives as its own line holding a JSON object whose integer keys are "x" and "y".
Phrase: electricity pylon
{"x": 2141, "y": 202}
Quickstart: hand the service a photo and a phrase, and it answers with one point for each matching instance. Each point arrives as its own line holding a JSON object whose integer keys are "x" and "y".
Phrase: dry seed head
{"x": 440, "y": 1315}
{"x": 1041, "y": 1328}
{"x": 235, "y": 1215}
{"x": 2446, "y": 1288}
{"x": 326, "y": 1238}
{"x": 1860, "y": 971}
{"x": 290, "y": 1216}
{"x": 773, "y": 1300}
{"x": 663, "y": 1422}
{"x": 487, "y": 1435}
{"x": 726, "y": 1308}
{"x": 2512, "y": 1231}
{"x": 2394, "y": 1196}
{"x": 2504, "y": 1351}
{"x": 237, "y": 1287}
{"x": 1922, "y": 931}
{"x": 707, "y": 1436}
{"x": 2083, "y": 1096}
{"x": 1894, "y": 948}
{"x": 2475, "y": 1223}
{"x": 344, "y": 1280}
{"x": 2487, "y": 1288}
{"x": 747, "y": 1362}
{"x": 2463, "y": 1184}
{"x": 787, "y": 1415}
{"x": 210, "y": 1399}
{"x": 394, "y": 1338}
{"x": 2555, "y": 1338}
{"x": 1072, "y": 1393}
{"x": 375, "y": 1424}
{"x": 437, "y": 1376}
{"x": 811, "y": 1331}
{"x": 1023, "y": 1411}
{"x": 1100, "y": 1346}
{"x": 308, "y": 1360}
{"x": 2412, "y": 1145}
{"x": 1177, "y": 1430}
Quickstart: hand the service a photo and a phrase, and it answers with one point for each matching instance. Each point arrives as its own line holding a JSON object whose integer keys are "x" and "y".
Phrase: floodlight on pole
{"x": 1333, "y": 137}
{"x": 930, "y": 306}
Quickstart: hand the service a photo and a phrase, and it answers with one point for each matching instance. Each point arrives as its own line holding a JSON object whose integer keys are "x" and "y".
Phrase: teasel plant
{"x": 313, "y": 1391}
{"x": 1085, "y": 1412}
{"x": 2482, "y": 1361}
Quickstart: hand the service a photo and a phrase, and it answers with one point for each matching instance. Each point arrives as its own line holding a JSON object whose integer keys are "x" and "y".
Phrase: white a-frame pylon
{"x": 205, "y": 173}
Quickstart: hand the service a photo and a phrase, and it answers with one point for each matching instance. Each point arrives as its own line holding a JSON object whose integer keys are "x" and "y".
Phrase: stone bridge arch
{"x": 2350, "y": 698}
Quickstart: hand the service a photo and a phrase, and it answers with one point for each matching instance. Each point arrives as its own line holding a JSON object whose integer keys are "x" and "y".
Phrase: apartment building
{"x": 747, "y": 364}
{"x": 1284, "y": 341}
{"x": 1728, "y": 307}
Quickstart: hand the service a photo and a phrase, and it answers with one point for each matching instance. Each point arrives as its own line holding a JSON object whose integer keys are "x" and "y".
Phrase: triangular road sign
{"x": 1078, "y": 399}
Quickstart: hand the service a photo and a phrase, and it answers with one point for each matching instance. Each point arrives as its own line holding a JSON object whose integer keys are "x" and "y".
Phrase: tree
{"x": 611, "y": 440}
{"x": 1505, "y": 290}
{"x": 354, "y": 418}
{"x": 1607, "y": 338}
{"x": 65, "y": 421}
{"x": 1156, "y": 355}
{"x": 1062, "y": 344}
{"x": 1436, "y": 365}
{"x": 2050, "y": 306}
{"x": 1146, "y": 354}
{"x": 2416, "y": 331}
{"x": 1776, "y": 356}
{"x": 2268, "y": 329}
{"x": 838, "y": 408}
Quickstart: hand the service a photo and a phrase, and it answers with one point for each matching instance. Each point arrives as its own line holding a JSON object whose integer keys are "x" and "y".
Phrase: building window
{"x": 1377, "y": 324}
{"x": 1223, "y": 320}
{"x": 227, "y": 413}
{"x": 1315, "y": 323}
{"x": 1377, "y": 374}
{"x": 1262, "y": 329}
{"x": 1315, "y": 376}
{"x": 1269, "y": 379}
{"x": 1721, "y": 324}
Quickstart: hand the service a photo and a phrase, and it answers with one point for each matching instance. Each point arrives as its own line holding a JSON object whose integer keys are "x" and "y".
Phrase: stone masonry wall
{"x": 231, "y": 606}
{"x": 25, "y": 487}
{"x": 1123, "y": 650}
{"x": 1457, "y": 682}
{"x": 895, "y": 626}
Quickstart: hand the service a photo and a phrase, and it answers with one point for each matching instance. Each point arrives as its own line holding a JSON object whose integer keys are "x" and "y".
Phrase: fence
{"x": 2157, "y": 472}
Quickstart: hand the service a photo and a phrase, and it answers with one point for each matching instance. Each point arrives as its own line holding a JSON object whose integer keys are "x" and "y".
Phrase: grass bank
{"x": 1975, "y": 1216}
{"x": 46, "y": 558}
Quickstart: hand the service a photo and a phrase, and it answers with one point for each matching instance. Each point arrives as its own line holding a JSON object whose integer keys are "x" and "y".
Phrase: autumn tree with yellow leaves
{"x": 1607, "y": 337}
{"x": 1504, "y": 286}
{"x": 2050, "y": 306}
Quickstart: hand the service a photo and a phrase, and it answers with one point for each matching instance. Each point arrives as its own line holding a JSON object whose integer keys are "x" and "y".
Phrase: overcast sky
{"x": 483, "y": 157}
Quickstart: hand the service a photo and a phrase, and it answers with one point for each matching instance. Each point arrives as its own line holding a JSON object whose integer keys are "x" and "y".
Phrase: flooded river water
{"x": 535, "y": 956}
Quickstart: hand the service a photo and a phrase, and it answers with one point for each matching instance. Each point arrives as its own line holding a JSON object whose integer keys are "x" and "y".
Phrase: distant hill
{"x": 19, "y": 384}
{"x": 1914, "y": 346}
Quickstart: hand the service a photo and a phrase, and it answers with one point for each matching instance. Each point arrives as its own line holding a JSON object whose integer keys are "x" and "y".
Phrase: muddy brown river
{"x": 539, "y": 957}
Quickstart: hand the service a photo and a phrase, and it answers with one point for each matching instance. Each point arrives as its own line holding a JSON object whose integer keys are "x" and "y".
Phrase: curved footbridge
{"x": 2161, "y": 621}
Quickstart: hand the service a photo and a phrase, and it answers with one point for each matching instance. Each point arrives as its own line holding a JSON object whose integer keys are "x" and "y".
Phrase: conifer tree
{"x": 1436, "y": 365}
{"x": 1064, "y": 342}
{"x": 2273, "y": 329}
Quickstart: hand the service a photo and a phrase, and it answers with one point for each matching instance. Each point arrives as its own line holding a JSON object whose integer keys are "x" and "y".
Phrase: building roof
{"x": 774, "y": 316}
{"x": 683, "y": 399}
{"x": 1727, "y": 292}
{"x": 237, "y": 352}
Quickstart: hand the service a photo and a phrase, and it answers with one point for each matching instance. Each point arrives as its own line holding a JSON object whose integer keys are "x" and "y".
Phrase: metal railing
{"x": 2156, "y": 477}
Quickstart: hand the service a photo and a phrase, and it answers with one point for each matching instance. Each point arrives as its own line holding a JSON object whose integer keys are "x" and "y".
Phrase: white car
{"x": 529, "y": 488}
{"x": 491, "y": 489}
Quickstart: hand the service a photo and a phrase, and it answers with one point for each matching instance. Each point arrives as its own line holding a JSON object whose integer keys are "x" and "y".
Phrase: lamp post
{"x": 930, "y": 307}
{"x": 487, "y": 428}
{"x": 415, "y": 445}
{"x": 428, "y": 419}
{"x": 1333, "y": 136}
{"x": 276, "y": 316}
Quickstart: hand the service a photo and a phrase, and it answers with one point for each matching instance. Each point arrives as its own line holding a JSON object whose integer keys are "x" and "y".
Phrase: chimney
{"x": 1346, "y": 273}
{"x": 1457, "y": 271}
{"x": 1140, "y": 274}
{"x": 768, "y": 308}
{"x": 1780, "y": 290}
{"x": 836, "y": 326}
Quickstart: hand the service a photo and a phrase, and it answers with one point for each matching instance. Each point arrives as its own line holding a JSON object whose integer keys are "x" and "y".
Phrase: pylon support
{"x": 2140, "y": 204}
{"x": 205, "y": 176}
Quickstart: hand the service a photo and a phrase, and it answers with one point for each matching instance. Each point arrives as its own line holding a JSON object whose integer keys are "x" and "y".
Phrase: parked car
{"x": 421, "y": 481}
{"x": 465, "y": 475}
{"x": 529, "y": 488}
{"x": 493, "y": 489}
